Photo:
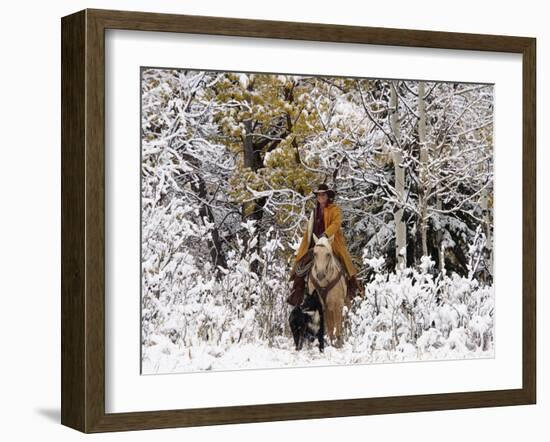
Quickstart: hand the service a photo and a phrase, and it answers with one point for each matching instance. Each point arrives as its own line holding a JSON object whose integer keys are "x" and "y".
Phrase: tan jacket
{"x": 332, "y": 216}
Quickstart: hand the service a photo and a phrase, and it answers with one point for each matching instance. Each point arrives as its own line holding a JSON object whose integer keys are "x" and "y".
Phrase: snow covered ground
{"x": 166, "y": 357}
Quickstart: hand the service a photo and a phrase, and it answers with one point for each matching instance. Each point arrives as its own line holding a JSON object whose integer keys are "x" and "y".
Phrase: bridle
{"x": 324, "y": 290}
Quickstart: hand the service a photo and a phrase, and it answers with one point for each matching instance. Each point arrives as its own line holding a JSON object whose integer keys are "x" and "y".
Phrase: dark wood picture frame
{"x": 83, "y": 220}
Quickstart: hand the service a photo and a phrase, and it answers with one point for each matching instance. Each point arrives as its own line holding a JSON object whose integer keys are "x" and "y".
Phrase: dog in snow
{"x": 307, "y": 321}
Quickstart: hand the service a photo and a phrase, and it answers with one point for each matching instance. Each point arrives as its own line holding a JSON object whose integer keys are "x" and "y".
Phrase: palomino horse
{"x": 328, "y": 277}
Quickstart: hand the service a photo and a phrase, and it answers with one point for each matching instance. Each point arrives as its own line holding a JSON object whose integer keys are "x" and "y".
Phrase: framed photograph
{"x": 268, "y": 220}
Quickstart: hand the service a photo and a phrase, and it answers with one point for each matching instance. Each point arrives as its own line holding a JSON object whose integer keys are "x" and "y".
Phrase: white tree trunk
{"x": 488, "y": 236}
{"x": 424, "y": 186}
{"x": 487, "y": 217}
{"x": 439, "y": 205}
{"x": 400, "y": 226}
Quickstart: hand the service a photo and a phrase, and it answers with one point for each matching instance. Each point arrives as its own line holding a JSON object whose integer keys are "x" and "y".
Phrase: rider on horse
{"x": 325, "y": 219}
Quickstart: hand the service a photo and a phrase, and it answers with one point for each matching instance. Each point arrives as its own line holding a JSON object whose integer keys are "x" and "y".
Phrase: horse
{"x": 327, "y": 276}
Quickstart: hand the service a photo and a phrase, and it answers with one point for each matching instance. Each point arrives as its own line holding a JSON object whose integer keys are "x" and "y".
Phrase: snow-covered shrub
{"x": 409, "y": 308}
{"x": 191, "y": 309}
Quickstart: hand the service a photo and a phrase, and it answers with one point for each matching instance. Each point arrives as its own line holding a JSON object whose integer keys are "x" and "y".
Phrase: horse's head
{"x": 322, "y": 256}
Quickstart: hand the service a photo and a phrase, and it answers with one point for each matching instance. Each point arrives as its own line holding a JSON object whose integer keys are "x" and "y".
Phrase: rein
{"x": 323, "y": 291}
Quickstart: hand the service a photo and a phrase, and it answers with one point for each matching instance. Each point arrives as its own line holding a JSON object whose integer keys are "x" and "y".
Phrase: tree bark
{"x": 400, "y": 226}
{"x": 253, "y": 160}
{"x": 424, "y": 189}
{"x": 215, "y": 244}
{"x": 439, "y": 241}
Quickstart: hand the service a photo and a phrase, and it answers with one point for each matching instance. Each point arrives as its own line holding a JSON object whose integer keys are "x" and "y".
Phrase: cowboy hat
{"x": 323, "y": 188}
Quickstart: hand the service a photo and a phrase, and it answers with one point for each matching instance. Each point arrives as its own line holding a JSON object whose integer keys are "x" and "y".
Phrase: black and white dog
{"x": 307, "y": 321}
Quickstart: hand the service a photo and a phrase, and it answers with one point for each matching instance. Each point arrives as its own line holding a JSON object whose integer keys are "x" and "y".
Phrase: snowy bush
{"x": 404, "y": 315}
{"x": 450, "y": 315}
